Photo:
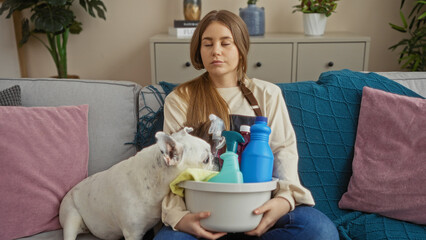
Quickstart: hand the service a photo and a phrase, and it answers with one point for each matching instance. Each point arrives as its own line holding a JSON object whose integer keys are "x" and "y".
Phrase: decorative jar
{"x": 254, "y": 17}
{"x": 192, "y": 10}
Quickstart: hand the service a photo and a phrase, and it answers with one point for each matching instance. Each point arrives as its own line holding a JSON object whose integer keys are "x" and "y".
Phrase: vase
{"x": 254, "y": 17}
{"x": 192, "y": 10}
{"x": 314, "y": 24}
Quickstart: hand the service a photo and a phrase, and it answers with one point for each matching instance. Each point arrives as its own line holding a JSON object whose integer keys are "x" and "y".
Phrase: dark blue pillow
{"x": 151, "y": 114}
{"x": 324, "y": 115}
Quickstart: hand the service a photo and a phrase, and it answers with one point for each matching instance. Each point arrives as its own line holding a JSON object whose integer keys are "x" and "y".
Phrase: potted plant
{"x": 413, "y": 54}
{"x": 56, "y": 20}
{"x": 254, "y": 17}
{"x": 315, "y": 13}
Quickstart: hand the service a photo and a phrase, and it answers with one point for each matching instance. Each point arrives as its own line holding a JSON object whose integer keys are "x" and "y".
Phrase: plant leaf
{"x": 416, "y": 64}
{"x": 412, "y": 23}
{"x": 75, "y": 27}
{"x": 16, "y": 5}
{"x": 398, "y": 28}
{"x": 52, "y": 19}
{"x": 402, "y": 4}
{"x": 25, "y": 31}
{"x": 83, "y": 4}
{"x": 403, "y": 19}
{"x": 98, "y": 5}
{"x": 56, "y": 2}
{"x": 409, "y": 59}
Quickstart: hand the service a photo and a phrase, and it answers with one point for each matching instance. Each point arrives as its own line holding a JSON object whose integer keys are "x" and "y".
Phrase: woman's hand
{"x": 272, "y": 210}
{"x": 190, "y": 223}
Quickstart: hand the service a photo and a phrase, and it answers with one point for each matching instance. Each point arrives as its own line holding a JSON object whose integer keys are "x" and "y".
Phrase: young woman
{"x": 220, "y": 45}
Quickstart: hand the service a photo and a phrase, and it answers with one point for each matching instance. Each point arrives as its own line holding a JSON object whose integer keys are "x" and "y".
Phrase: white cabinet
{"x": 279, "y": 57}
{"x": 172, "y": 63}
{"x": 270, "y": 62}
{"x": 315, "y": 58}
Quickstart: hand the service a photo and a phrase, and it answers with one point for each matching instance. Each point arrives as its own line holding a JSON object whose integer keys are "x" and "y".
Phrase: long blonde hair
{"x": 202, "y": 97}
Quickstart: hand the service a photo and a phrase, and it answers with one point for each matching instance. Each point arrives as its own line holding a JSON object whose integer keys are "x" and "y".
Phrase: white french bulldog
{"x": 125, "y": 200}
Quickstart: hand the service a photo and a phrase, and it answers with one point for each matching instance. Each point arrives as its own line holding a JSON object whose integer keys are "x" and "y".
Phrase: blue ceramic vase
{"x": 254, "y": 17}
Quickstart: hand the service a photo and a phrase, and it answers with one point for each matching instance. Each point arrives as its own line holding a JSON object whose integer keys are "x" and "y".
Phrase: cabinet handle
{"x": 258, "y": 64}
{"x": 187, "y": 64}
{"x": 330, "y": 64}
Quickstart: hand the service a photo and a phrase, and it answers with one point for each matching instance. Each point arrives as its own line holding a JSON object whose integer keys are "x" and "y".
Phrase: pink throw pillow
{"x": 44, "y": 152}
{"x": 389, "y": 162}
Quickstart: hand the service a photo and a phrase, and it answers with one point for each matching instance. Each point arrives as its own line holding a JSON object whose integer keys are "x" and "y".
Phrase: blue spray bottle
{"x": 230, "y": 172}
{"x": 257, "y": 160}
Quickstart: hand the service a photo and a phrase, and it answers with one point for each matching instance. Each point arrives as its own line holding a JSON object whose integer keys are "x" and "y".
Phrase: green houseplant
{"x": 316, "y": 6}
{"x": 413, "y": 53}
{"x": 315, "y": 13}
{"x": 56, "y": 20}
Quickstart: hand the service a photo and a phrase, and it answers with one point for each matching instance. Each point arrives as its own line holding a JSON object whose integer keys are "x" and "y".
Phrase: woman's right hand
{"x": 190, "y": 223}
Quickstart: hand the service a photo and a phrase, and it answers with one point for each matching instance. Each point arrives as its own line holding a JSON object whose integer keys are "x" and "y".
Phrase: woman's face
{"x": 218, "y": 51}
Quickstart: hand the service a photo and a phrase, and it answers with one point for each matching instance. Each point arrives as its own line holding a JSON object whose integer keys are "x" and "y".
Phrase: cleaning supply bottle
{"x": 245, "y": 132}
{"x": 230, "y": 172}
{"x": 216, "y": 127}
{"x": 258, "y": 160}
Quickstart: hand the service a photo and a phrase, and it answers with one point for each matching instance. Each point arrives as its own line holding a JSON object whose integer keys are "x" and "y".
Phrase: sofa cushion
{"x": 389, "y": 160}
{"x": 324, "y": 115}
{"x": 113, "y": 112}
{"x": 151, "y": 114}
{"x": 362, "y": 226}
{"x": 44, "y": 153}
{"x": 10, "y": 96}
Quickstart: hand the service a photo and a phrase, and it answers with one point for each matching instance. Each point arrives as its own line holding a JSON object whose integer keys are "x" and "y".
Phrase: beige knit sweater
{"x": 282, "y": 141}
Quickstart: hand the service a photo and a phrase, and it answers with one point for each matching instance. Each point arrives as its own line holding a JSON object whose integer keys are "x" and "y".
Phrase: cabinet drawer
{"x": 173, "y": 64}
{"x": 270, "y": 61}
{"x": 315, "y": 58}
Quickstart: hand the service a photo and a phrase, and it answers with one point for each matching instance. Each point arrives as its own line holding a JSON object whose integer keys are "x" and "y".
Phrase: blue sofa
{"x": 123, "y": 118}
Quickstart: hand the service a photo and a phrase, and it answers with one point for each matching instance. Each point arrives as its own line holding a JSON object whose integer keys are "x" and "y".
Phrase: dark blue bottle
{"x": 258, "y": 160}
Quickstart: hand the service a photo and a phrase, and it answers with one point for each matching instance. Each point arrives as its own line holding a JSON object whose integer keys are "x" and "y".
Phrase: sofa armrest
{"x": 415, "y": 81}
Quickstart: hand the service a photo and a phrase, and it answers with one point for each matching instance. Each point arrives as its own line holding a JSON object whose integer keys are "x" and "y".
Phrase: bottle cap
{"x": 244, "y": 128}
{"x": 261, "y": 119}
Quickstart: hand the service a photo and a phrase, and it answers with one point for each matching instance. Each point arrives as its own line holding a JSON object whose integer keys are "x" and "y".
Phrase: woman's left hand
{"x": 272, "y": 210}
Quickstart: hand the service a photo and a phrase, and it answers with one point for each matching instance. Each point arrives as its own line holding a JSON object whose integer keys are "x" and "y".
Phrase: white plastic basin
{"x": 231, "y": 205}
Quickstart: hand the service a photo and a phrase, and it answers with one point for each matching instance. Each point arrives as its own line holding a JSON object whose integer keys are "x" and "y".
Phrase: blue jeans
{"x": 300, "y": 224}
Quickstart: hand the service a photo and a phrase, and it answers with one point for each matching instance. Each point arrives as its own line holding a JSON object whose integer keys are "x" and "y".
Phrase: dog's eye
{"x": 207, "y": 159}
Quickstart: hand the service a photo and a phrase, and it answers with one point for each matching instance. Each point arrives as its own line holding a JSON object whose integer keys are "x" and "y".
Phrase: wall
{"x": 118, "y": 48}
{"x": 9, "y": 62}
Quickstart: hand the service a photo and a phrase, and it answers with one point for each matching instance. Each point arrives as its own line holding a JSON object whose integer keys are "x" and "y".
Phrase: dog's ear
{"x": 170, "y": 149}
{"x": 188, "y": 129}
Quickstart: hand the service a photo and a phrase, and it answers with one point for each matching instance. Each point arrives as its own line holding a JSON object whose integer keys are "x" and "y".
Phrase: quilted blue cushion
{"x": 151, "y": 114}
{"x": 325, "y": 117}
{"x": 363, "y": 226}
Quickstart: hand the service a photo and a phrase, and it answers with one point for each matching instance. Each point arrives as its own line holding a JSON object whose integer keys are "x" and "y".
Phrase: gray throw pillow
{"x": 11, "y": 96}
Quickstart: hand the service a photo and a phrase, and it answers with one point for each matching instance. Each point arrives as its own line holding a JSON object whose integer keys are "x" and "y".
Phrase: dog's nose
{"x": 216, "y": 165}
